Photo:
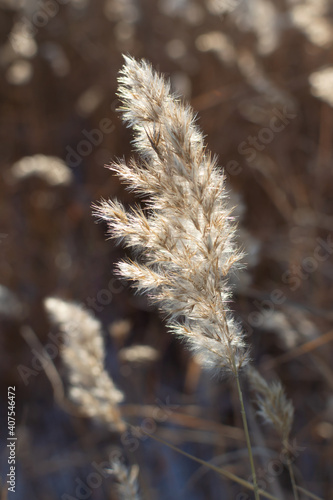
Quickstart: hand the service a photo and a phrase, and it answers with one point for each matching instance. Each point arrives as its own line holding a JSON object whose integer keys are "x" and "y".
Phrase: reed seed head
{"x": 91, "y": 387}
{"x": 273, "y": 405}
{"x": 183, "y": 239}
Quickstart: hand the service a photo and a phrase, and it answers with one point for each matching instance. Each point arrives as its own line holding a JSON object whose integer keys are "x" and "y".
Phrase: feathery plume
{"x": 184, "y": 239}
{"x": 127, "y": 480}
{"x": 92, "y": 389}
{"x": 138, "y": 354}
{"x": 50, "y": 168}
{"x": 273, "y": 405}
{"x": 277, "y": 410}
{"x": 321, "y": 82}
{"x": 119, "y": 331}
{"x": 10, "y": 306}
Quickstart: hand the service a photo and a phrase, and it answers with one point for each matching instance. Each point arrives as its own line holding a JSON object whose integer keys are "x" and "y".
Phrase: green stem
{"x": 248, "y": 441}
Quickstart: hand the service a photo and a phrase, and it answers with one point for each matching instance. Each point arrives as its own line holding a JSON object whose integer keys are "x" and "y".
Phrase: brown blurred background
{"x": 260, "y": 75}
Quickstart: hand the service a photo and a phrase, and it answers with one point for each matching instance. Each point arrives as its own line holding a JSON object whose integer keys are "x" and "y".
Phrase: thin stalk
{"x": 308, "y": 493}
{"x": 292, "y": 479}
{"x": 291, "y": 471}
{"x": 248, "y": 441}
{"x": 223, "y": 472}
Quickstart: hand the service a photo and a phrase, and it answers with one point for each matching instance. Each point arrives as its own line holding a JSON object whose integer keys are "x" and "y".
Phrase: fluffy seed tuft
{"x": 184, "y": 238}
{"x": 91, "y": 387}
{"x": 273, "y": 405}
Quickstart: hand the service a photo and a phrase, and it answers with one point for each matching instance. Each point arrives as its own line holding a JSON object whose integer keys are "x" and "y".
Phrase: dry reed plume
{"x": 127, "y": 480}
{"x": 273, "y": 406}
{"x": 91, "y": 387}
{"x": 183, "y": 240}
{"x": 275, "y": 409}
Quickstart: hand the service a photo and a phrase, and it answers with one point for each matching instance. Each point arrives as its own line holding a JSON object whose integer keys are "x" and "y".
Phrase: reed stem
{"x": 248, "y": 441}
{"x": 223, "y": 472}
{"x": 291, "y": 473}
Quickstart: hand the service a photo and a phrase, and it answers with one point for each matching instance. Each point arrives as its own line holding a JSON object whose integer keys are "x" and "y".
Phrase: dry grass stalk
{"x": 184, "y": 240}
{"x": 277, "y": 410}
{"x": 91, "y": 387}
{"x": 273, "y": 405}
{"x": 127, "y": 480}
